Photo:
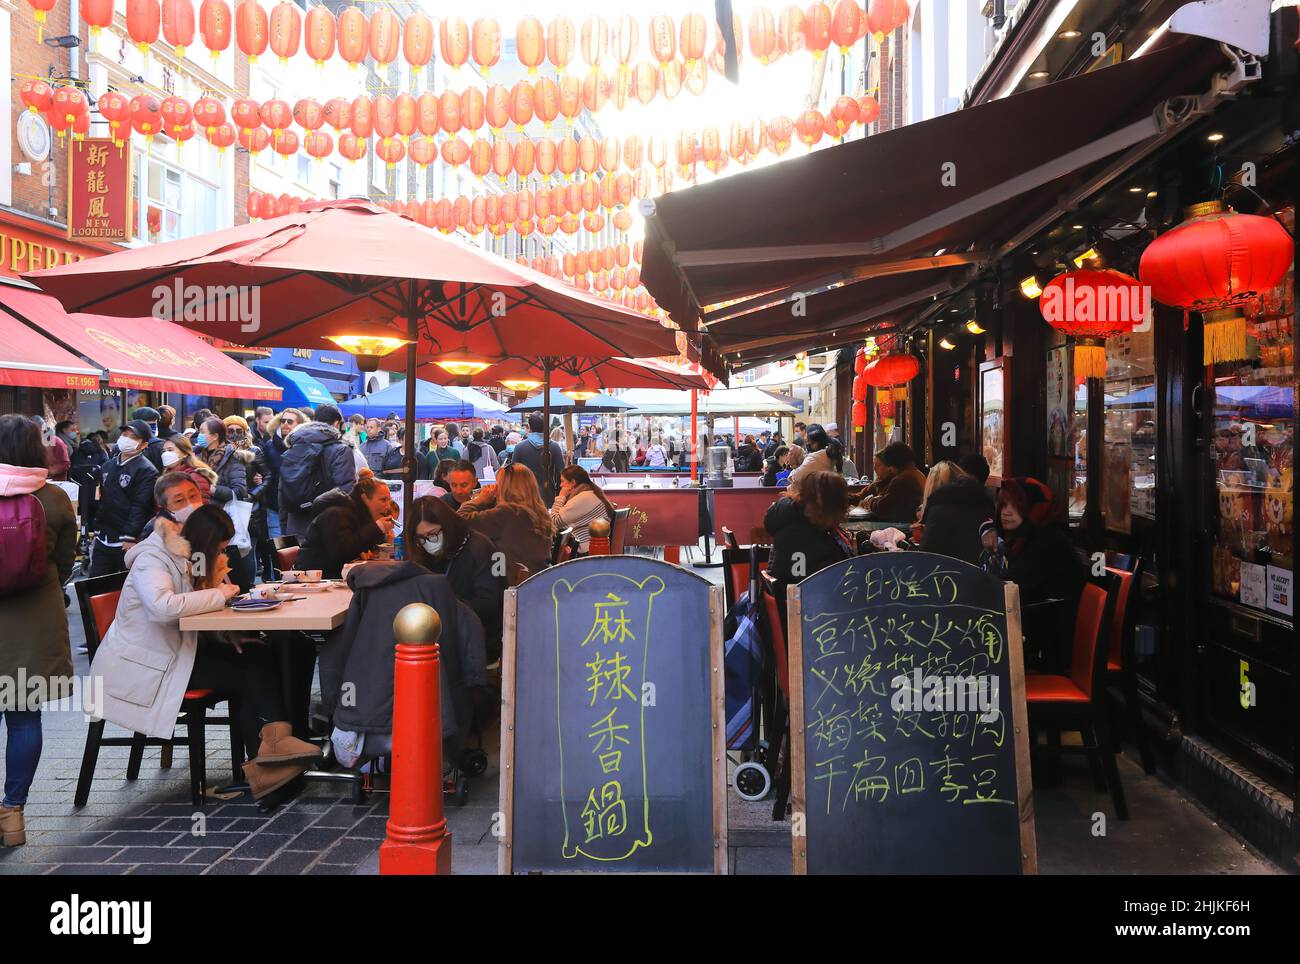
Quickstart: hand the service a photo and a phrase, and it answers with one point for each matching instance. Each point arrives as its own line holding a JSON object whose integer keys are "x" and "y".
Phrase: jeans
{"x": 272, "y": 524}
{"x": 22, "y": 753}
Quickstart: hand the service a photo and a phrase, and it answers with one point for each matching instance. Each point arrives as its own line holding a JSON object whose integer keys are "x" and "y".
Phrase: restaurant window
{"x": 170, "y": 203}
{"x": 1252, "y": 457}
{"x": 1128, "y": 477}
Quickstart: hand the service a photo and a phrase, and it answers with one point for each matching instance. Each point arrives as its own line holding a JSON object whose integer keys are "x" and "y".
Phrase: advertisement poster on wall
{"x": 1059, "y": 385}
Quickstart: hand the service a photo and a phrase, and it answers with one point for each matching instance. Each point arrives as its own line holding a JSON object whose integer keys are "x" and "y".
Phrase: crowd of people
{"x": 185, "y": 513}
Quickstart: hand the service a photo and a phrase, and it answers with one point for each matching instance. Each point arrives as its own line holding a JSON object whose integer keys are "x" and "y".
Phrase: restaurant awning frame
{"x": 30, "y": 360}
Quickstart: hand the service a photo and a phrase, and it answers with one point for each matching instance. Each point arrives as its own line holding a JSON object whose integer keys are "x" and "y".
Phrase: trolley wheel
{"x": 761, "y": 753}
{"x": 752, "y": 781}
{"x": 462, "y": 791}
{"x": 474, "y": 762}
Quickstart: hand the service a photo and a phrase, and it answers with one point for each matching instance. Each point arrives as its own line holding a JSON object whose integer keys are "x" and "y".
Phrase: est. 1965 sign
{"x": 99, "y": 190}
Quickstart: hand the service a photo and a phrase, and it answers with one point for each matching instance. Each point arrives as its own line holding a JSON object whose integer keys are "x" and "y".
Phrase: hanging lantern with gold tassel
{"x": 1090, "y": 306}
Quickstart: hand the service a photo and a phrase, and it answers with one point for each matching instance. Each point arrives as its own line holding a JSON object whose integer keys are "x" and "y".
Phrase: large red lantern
{"x": 496, "y": 108}
{"x": 351, "y": 146}
{"x": 215, "y": 25}
{"x": 143, "y": 20}
{"x": 37, "y": 95}
{"x": 1216, "y": 262}
{"x": 810, "y": 125}
{"x": 362, "y": 121}
{"x": 115, "y": 108}
{"x": 455, "y": 151}
{"x": 546, "y": 101}
{"x": 561, "y": 42}
{"x": 595, "y": 40}
{"x": 762, "y": 34}
{"x": 286, "y": 143}
{"x": 847, "y": 24}
{"x": 424, "y": 151}
{"x": 338, "y": 113}
{"x": 221, "y": 137}
{"x": 817, "y": 28}
{"x": 353, "y": 36}
{"x": 176, "y": 113}
{"x": 385, "y": 36}
{"x": 886, "y": 16}
{"x": 308, "y": 114}
{"x": 789, "y": 29}
{"x": 318, "y": 33}
{"x": 485, "y": 42}
{"x": 860, "y": 416}
{"x": 844, "y": 114}
{"x": 530, "y": 43}
{"x": 178, "y": 25}
{"x": 417, "y": 41}
{"x": 521, "y": 104}
{"x": 473, "y": 109}
{"x": 285, "y": 30}
{"x": 318, "y": 144}
{"x": 453, "y": 42}
{"x": 449, "y": 112}
{"x": 98, "y": 14}
{"x": 146, "y": 114}
{"x": 894, "y": 370}
{"x": 1091, "y": 306}
{"x": 254, "y": 140}
{"x": 252, "y": 31}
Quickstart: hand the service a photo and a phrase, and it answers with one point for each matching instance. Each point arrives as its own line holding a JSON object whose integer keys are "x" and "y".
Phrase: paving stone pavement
{"x": 148, "y": 826}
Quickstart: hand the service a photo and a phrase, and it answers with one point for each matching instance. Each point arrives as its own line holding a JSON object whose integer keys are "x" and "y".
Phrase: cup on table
{"x": 262, "y": 592}
{"x": 310, "y": 575}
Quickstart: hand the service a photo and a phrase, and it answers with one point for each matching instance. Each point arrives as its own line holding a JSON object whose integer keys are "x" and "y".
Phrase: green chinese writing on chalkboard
{"x": 603, "y": 643}
{"x": 901, "y": 695}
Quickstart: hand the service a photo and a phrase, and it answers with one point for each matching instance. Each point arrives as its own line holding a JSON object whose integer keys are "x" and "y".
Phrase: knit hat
{"x": 1031, "y": 498}
{"x": 236, "y": 421}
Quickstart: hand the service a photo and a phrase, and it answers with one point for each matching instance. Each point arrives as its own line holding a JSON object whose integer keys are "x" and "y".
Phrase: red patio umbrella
{"x": 351, "y": 268}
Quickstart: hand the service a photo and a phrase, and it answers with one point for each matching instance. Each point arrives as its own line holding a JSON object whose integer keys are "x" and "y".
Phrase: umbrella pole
{"x": 547, "y": 495}
{"x": 408, "y": 459}
{"x": 695, "y": 435}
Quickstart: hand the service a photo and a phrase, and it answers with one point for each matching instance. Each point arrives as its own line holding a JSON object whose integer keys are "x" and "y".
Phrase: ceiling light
{"x": 945, "y": 344}
{"x": 1135, "y": 190}
{"x": 1030, "y": 288}
{"x": 1089, "y": 255}
{"x": 974, "y": 327}
{"x": 1069, "y": 34}
{"x": 1039, "y": 75}
{"x": 1077, "y": 227}
{"x": 1152, "y": 194}
{"x": 1214, "y": 138}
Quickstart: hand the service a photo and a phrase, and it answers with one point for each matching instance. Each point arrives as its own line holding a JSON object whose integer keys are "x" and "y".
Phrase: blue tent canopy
{"x": 561, "y": 403}
{"x": 300, "y": 389}
{"x": 431, "y": 403}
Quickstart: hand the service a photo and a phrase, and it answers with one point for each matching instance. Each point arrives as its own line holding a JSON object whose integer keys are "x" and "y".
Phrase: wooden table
{"x": 318, "y": 612}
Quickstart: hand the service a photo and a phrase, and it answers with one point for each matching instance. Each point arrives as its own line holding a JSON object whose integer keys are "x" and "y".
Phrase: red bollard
{"x": 599, "y": 544}
{"x": 417, "y": 842}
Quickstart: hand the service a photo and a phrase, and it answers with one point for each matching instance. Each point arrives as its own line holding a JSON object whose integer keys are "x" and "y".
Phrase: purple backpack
{"x": 23, "y": 554}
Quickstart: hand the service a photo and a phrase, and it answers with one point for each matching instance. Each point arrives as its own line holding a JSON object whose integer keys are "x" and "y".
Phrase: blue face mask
{"x": 200, "y": 441}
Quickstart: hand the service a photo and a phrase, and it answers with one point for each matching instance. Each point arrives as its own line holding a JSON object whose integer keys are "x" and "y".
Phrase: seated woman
{"x": 953, "y": 507}
{"x": 147, "y": 663}
{"x": 895, "y": 494}
{"x": 804, "y": 527}
{"x": 512, "y": 515}
{"x": 444, "y": 543}
{"x": 356, "y": 662}
{"x": 774, "y": 465}
{"x": 580, "y": 502}
{"x": 1024, "y": 546}
{"x": 350, "y": 526}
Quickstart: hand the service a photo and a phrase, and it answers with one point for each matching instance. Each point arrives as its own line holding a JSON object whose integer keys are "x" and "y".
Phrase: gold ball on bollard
{"x": 417, "y": 623}
{"x": 599, "y": 528}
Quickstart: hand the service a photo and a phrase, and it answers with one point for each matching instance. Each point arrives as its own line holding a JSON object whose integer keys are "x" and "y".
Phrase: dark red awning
{"x": 140, "y": 353}
{"x": 30, "y": 360}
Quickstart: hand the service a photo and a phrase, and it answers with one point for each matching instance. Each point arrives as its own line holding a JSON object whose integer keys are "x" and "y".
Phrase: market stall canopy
{"x": 299, "y": 389}
{"x": 431, "y": 403}
{"x": 563, "y": 404}
{"x": 603, "y": 374}
{"x": 724, "y": 401}
{"x": 349, "y": 267}
{"x": 897, "y": 216}
{"x": 485, "y": 406}
{"x": 138, "y": 353}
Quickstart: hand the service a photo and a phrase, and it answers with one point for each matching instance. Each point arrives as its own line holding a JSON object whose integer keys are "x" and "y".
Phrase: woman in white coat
{"x": 147, "y": 663}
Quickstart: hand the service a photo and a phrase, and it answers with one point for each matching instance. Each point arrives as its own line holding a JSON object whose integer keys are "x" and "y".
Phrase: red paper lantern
{"x": 455, "y": 151}
{"x": 286, "y": 143}
{"x": 143, "y": 20}
{"x": 521, "y": 104}
{"x": 178, "y": 25}
{"x": 115, "y": 108}
{"x": 277, "y": 115}
{"x": 860, "y": 415}
{"x": 254, "y": 139}
{"x": 561, "y": 42}
{"x": 424, "y": 151}
{"x": 810, "y": 125}
{"x": 844, "y": 114}
{"x": 215, "y": 26}
{"x": 525, "y": 158}
{"x": 318, "y": 144}
{"x": 351, "y": 146}
{"x": 624, "y": 40}
{"x": 868, "y": 110}
{"x": 595, "y": 40}
{"x": 285, "y": 30}
{"x": 405, "y": 113}
{"x": 453, "y": 42}
{"x": 496, "y": 108}
{"x": 338, "y": 113}
{"x": 221, "y": 137}
{"x": 548, "y": 157}
{"x": 886, "y": 16}
{"x": 252, "y": 31}
{"x": 449, "y": 112}
{"x": 98, "y": 14}
{"x": 780, "y": 132}
{"x": 480, "y": 156}
{"x": 546, "y": 101}
{"x": 176, "y": 113}
{"x": 847, "y": 24}
{"x": 390, "y": 151}
{"x": 595, "y": 90}
{"x": 353, "y": 36}
{"x": 472, "y": 109}
{"x": 417, "y": 41}
{"x": 385, "y": 36}
{"x": 860, "y": 389}
{"x": 789, "y": 30}
{"x": 817, "y": 28}
{"x": 37, "y": 95}
{"x": 530, "y": 43}
{"x": 308, "y": 114}
{"x": 318, "y": 34}
{"x": 384, "y": 116}
{"x": 254, "y": 204}
{"x": 645, "y": 82}
{"x": 894, "y": 370}
{"x": 503, "y": 158}
{"x": 246, "y": 113}
{"x": 362, "y": 122}
{"x": 146, "y": 114}
{"x": 485, "y": 42}
{"x": 1091, "y": 306}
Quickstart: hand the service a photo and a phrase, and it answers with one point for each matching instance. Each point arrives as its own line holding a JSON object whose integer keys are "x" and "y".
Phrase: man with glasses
{"x": 273, "y": 448}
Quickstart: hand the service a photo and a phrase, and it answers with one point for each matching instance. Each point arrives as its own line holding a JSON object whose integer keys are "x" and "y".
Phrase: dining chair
{"x": 618, "y": 532}
{"x": 778, "y": 736}
{"x": 1121, "y": 664}
{"x": 97, "y": 599}
{"x": 1077, "y": 701}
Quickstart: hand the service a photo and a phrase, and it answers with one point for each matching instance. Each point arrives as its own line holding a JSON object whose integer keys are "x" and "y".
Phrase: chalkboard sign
{"x": 612, "y": 755}
{"x": 907, "y": 715}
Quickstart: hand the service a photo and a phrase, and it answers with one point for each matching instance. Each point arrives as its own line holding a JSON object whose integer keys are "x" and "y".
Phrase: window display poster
{"x": 993, "y": 421}
{"x": 1281, "y": 590}
{"x": 1254, "y": 585}
{"x": 1116, "y": 487}
{"x": 1059, "y": 384}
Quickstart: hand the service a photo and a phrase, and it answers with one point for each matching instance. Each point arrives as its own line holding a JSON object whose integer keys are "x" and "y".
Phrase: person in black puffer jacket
{"x": 804, "y": 530}
{"x": 349, "y": 526}
{"x": 952, "y": 511}
{"x": 233, "y": 468}
{"x": 317, "y": 462}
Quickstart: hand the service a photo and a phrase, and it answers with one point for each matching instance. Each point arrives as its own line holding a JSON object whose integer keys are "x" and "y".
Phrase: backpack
{"x": 473, "y": 450}
{"x": 23, "y": 553}
{"x": 301, "y": 477}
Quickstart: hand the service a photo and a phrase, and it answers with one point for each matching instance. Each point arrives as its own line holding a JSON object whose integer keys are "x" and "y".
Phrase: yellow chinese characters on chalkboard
{"x": 603, "y": 643}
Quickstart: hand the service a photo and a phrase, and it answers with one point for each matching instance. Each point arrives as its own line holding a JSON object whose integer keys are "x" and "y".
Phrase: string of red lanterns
{"x": 677, "y": 50}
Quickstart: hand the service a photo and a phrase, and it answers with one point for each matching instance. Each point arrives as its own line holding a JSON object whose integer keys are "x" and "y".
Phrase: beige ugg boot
{"x": 263, "y": 779}
{"x": 279, "y": 745}
{"x": 12, "y": 830}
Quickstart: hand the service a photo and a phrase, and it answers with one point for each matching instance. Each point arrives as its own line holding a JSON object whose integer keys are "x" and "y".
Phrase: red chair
{"x": 1077, "y": 702}
{"x": 97, "y": 599}
{"x": 1121, "y": 669}
{"x": 779, "y": 729}
{"x": 286, "y": 557}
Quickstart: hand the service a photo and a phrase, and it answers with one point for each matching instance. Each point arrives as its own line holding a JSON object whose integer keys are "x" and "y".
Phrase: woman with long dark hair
{"x": 147, "y": 663}
{"x": 444, "y": 543}
{"x": 40, "y": 546}
{"x": 580, "y": 502}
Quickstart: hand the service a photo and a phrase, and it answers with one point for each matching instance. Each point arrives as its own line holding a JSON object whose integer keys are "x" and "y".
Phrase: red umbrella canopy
{"x": 602, "y": 374}
{"x": 351, "y": 267}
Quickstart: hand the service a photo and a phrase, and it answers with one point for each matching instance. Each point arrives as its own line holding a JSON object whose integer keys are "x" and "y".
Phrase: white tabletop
{"x": 316, "y": 612}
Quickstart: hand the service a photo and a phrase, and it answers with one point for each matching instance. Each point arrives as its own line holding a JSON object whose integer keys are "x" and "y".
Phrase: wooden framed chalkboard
{"x": 910, "y": 749}
{"x": 612, "y": 721}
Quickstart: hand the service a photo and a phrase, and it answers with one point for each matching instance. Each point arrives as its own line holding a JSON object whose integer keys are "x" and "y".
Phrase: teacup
{"x": 310, "y": 575}
{"x": 262, "y": 592}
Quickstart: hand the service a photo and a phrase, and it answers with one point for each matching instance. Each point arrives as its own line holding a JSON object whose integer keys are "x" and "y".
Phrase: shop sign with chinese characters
{"x": 99, "y": 196}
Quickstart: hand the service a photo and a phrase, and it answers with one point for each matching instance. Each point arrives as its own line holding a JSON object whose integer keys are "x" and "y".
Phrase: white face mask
{"x": 432, "y": 544}
{"x": 127, "y": 445}
{"x": 183, "y": 513}
{"x": 170, "y": 458}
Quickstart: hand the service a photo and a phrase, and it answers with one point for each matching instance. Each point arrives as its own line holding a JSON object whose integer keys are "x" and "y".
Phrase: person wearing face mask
{"x": 147, "y": 663}
{"x": 178, "y": 457}
{"x": 232, "y": 466}
{"x": 126, "y": 500}
{"x": 444, "y": 543}
{"x": 240, "y": 437}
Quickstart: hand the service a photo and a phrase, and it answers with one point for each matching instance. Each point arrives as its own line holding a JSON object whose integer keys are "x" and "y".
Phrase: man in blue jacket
{"x": 316, "y": 463}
